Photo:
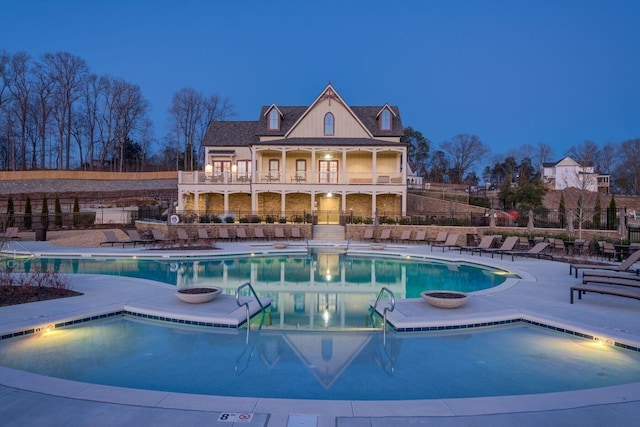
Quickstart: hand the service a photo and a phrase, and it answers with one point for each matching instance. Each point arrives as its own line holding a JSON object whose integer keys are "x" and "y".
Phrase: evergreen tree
{"x": 562, "y": 210}
{"x": 44, "y": 213}
{"x": 28, "y": 215}
{"x": 597, "y": 213}
{"x": 76, "y": 211}
{"x": 11, "y": 215}
{"x": 611, "y": 214}
{"x": 58, "y": 213}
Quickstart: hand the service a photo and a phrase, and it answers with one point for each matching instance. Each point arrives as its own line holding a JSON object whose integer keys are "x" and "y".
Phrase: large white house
{"x": 569, "y": 173}
{"x": 327, "y": 159}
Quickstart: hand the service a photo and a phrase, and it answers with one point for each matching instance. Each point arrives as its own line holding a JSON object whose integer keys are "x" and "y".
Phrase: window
{"x": 221, "y": 169}
{"x": 301, "y": 170}
{"x": 274, "y": 120}
{"x": 274, "y": 170}
{"x": 244, "y": 173}
{"x": 328, "y": 172}
{"x": 328, "y": 124}
{"x": 385, "y": 120}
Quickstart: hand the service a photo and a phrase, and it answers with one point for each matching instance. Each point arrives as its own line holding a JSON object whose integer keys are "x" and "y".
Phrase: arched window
{"x": 328, "y": 124}
{"x": 274, "y": 119}
{"x": 385, "y": 120}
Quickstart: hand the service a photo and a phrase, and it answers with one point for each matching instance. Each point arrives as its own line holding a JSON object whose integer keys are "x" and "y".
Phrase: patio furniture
{"x": 485, "y": 243}
{"x": 260, "y": 234}
{"x": 241, "y": 234}
{"x": 385, "y": 235}
{"x": 136, "y": 239}
{"x": 441, "y": 237}
{"x": 160, "y": 239}
{"x": 421, "y": 236}
{"x": 183, "y": 238}
{"x": 279, "y": 233}
{"x": 205, "y": 238}
{"x": 368, "y": 234}
{"x": 626, "y": 265}
{"x": 295, "y": 233}
{"x": 112, "y": 239}
{"x": 508, "y": 245}
{"x": 612, "y": 278}
{"x": 405, "y": 236}
{"x": 620, "y": 291}
{"x": 451, "y": 242}
{"x": 223, "y": 233}
{"x": 538, "y": 251}
{"x": 10, "y": 233}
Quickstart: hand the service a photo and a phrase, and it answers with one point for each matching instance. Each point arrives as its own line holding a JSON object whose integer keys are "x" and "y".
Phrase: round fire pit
{"x": 445, "y": 299}
{"x": 280, "y": 245}
{"x": 198, "y": 295}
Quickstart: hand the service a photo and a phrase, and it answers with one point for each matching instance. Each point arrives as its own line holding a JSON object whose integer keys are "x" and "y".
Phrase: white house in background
{"x": 569, "y": 173}
{"x": 327, "y": 158}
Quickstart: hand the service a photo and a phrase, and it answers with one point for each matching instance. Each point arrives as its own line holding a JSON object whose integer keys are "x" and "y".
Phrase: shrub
{"x": 229, "y": 219}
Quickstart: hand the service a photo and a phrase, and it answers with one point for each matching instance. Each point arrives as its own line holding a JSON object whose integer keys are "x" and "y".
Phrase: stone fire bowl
{"x": 445, "y": 299}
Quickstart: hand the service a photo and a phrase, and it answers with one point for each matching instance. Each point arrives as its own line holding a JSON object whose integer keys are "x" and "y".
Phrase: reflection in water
{"x": 321, "y": 365}
{"x": 316, "y": 291}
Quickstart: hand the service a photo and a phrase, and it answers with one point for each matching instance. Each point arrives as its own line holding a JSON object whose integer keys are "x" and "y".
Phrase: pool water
{"x": 321, "y": 290}
{"x": 517, "y": 359}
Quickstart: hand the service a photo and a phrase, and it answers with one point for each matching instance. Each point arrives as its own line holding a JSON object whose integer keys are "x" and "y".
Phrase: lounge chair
{"x": 620, "y": 291}
{"x": 451, "y": 242}
{"x": 259, "y": 234}
{"x": 160, "y": 239}
{"x": 507, "y": 246}
{"x": 279, "y": 233}
{"x": 368, "y": 234}
{"x": 538, "y": 251}
{"x": 223, "y": 233}
{"x": 136, "y": 239}
{"x": 241, "y": 234}
{"x": 421, "y": 236}
{"x": 295, "y": 233}
{"x": 112, "y": 239}
{"x": 485, "y": 243}
{"x": 607, "y": 250}
{"x": 183, "y": 238}
{"x": 441, "y": 237}
{"x": 623, "y": 266}
{"x": 10, "y": 233}
{"x": 385, "y": 235}
{"x": 612, "y": 278}
{"x": 405, "y": 236}
{"x": 205, "y": 238}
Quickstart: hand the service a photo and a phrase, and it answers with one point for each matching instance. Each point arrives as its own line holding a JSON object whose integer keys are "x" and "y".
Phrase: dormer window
{"x": 328, "y": 124}
{"x": 273, "y": 122}
{"x": 385, "y": 120}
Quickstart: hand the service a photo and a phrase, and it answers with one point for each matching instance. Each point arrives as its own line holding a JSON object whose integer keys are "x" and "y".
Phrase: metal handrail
{"x": 384, "y": 312}
{"x": 246, "y": 304}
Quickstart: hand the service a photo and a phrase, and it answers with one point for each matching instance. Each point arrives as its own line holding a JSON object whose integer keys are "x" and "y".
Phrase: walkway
{"x": 543, "y": 293}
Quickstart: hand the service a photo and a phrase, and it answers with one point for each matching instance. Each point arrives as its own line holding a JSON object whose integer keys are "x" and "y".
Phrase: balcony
{"x": 291, "y": 178}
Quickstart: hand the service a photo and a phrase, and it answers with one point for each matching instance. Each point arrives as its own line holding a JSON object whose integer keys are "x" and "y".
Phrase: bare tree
{"x": 630, "y": 166}
{"x": 68, "y": 73}
{"x": 131, "y": 112}
{"x": 464, "y": 152}
{"x": 191, "y": 113}
{"x": 42, "y": 107}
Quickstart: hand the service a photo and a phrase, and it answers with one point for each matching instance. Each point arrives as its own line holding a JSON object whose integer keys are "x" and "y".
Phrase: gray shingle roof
{"x": 245, "y": 133}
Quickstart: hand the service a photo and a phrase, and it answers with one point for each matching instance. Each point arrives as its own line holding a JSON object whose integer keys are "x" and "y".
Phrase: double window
{"x": 328, "y": 172}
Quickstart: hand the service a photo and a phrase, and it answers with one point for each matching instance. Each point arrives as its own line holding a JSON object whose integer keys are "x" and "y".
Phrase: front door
{"x": 328, "y": 210}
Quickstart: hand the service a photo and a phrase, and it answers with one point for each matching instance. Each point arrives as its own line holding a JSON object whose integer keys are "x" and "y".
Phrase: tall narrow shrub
{"x": 27, "y": 221}
{"x": 11, "y": 214}
{"x": 76, "y": 211}
{"x": 44, "y": 213}
{"x": 561, "y": 210}
{"x": 58, "y": 213}
{"x": 611, "y": 214}
{"x": 597, "y": 213}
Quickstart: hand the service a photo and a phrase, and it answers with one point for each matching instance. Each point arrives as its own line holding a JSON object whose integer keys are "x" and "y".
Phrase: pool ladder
{"x": 391, "y": 307}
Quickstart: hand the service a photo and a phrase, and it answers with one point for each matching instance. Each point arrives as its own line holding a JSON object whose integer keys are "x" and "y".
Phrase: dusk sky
{"x": 512, "y": 72}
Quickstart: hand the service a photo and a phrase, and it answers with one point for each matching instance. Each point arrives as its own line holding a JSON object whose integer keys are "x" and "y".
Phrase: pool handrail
{"x": 384, "y": 312}
{"x": 246, "y": 304}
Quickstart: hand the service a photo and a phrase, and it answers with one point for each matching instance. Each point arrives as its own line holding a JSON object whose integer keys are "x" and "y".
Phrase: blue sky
{"x": 512, "y": 72}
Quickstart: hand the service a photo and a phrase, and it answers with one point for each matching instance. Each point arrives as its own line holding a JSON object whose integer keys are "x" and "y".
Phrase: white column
{"x": 314, "y": 175}
{"x": 226, "y": 203}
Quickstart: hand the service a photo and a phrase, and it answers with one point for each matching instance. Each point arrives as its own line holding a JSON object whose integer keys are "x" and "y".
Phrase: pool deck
{"x": 542, "y": 295}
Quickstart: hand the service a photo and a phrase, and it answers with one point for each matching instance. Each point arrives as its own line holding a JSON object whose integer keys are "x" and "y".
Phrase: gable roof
{"x": 330, "y": 93}
{"x": 245, "y": 133}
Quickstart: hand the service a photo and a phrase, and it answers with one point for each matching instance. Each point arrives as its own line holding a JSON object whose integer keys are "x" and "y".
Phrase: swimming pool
{"x": 318, "y": 365}
{"x": 320, "y": 290}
